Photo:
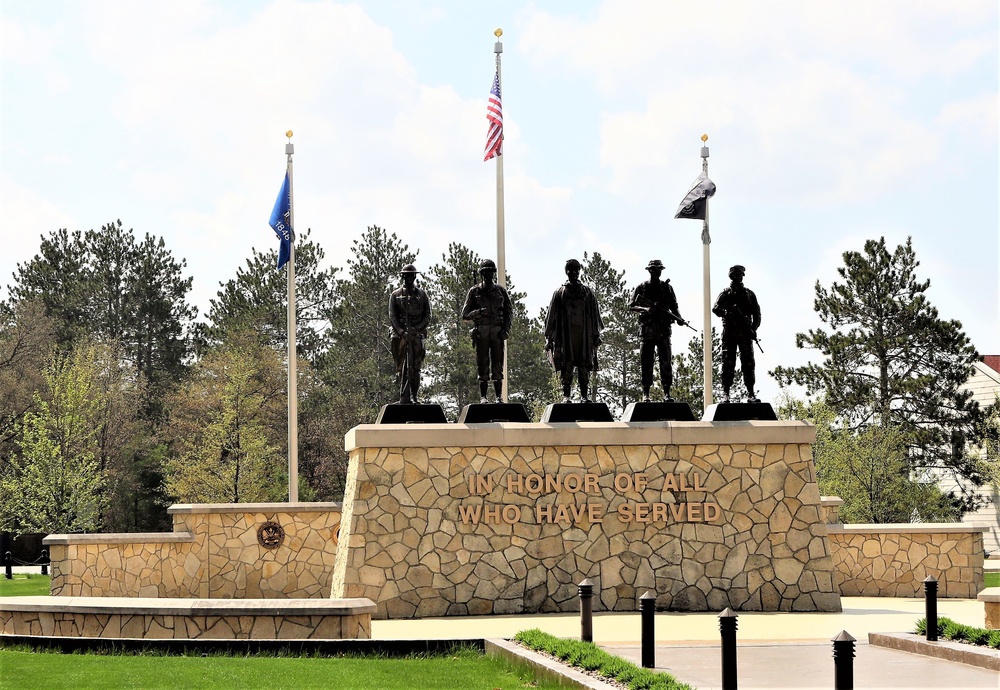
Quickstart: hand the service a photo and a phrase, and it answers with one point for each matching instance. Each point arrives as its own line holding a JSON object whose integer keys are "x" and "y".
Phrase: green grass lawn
{"x": 992, "y": 578}
{"x": 465, "y": 668}
{"x": 24, "y": 585}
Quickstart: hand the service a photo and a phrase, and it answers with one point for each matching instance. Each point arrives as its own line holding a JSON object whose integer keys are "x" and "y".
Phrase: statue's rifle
{"x": 646, "y": 305}
{"x": 735, "y": 309}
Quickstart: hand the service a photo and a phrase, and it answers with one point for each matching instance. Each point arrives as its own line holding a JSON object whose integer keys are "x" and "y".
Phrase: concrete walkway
{"x": 775, "y": 650}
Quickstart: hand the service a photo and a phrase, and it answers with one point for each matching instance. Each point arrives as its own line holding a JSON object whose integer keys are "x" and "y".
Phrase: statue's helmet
{"x": 574, "y": 265}
{"x": 408, "y": 268}
{"x": 487, "y": 265}
{"x": 654, "y": 264}
{"x": 737, "y": 270}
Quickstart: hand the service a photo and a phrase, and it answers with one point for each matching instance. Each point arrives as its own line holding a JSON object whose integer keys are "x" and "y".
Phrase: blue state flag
{"x": 281, "y": 221}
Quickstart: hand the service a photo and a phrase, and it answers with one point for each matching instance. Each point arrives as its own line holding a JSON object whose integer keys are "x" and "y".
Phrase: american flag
{"x": 494, "y": 113}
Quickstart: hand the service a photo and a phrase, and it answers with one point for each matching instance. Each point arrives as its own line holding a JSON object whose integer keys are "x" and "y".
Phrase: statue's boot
{"x": 585, "y": 385}
{"x": 567, "y": 385}
{"x": 645, "y": 394}
{"x": 483, "y": 386}
{"x": 498, "y": 390}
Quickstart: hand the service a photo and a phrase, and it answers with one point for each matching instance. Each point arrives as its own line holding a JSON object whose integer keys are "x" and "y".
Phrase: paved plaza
{"x": 775, "y": 650}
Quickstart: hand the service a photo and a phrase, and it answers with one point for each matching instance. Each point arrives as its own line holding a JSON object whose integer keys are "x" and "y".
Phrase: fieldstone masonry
{"x": 508, "y": 518}
{"x": 894, "y": 560}
{"x": 213, "y": 552}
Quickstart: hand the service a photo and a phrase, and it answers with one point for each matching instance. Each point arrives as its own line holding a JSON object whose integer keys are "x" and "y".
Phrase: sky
{"x": 830, "y": 122}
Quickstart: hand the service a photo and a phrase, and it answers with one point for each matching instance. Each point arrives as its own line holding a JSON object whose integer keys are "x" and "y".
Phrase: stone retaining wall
{"x": 894, "y": 560}
{"x": 214, "y": 552}
{"x": 189, "y": 619}
{"x": 443, "y": 519}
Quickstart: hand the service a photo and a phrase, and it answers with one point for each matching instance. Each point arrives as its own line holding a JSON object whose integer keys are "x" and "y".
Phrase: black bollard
{"x": 8, "y": 564}
{"x": 647, "y": 604}
{"x": 586, "y": 590}
{"x": 45, "y": 561}
{"x": 727, "y": 627}
{"x": 843, "y": 661}
{"x": 930, "y": 607}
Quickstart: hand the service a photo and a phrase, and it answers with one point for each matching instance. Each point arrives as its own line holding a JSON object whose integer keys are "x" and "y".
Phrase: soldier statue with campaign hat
{"x": 573, "y": 328}
{"x": 489, "y": 307}
{"x": 740, "y": 313}
{"x": 409, "y": 314}
{"x": 656, "y": 304}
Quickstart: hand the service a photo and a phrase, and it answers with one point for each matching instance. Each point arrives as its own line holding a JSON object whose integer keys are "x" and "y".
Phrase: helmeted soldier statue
{"x": 656, "y": 304}
{"x": 740, "y": 313}
{"x": 573, "y": 332}
{"x": 488, "y": 306}
{"x": 409, "y": 314}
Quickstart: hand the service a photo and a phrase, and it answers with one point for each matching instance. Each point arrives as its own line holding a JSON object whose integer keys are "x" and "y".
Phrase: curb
{"x": 544, "y": 667}
{"x": 972, "y": 655}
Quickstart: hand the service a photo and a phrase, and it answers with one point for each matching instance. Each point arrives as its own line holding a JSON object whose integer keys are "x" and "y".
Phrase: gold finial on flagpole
{"x": 498, "y": 33}
{"x": 289, "y": 134}
{"x": 704, "y": 137}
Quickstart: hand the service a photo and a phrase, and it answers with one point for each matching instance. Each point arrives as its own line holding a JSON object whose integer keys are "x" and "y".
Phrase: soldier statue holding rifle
{"x": 656, "y": 304}
{"x": 740, "y": 313}
{"x": 488, "y": 305}
{"x": 409, "y": 314}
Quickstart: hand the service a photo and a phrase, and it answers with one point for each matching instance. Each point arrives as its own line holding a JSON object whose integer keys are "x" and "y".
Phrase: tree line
{"x": 117, "y": 399}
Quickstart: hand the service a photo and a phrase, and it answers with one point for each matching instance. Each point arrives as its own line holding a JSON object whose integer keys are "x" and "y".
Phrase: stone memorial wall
{"x": 508, "y": 518}
{"x": 893, "y": 560}
{"x": 238, "y": 550}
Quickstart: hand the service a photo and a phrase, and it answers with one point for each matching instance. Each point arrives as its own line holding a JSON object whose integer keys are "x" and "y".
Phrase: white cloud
{"x": 28, "y": 45}
{"x": 24, "y": 208}
{"x": 822, "y": 101}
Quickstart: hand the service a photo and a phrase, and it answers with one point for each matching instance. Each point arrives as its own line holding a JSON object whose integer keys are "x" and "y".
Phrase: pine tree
{"x": 360, "y": 361}
{"x": 617, "y": 381}
{"x": 451, "y": 356}
{"x": 257, "y": 299}
{"x": 689, "y": 375}
{"x": 889, "y": 360}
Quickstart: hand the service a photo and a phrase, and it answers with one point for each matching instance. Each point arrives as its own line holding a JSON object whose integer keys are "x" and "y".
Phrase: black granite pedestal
{"x": 577, "y": 412}
{"x": 485, "y": 413}
{"x": 739, "y": 412}
{"x": 658, "y": 412}
{"x": 396, "y": 413}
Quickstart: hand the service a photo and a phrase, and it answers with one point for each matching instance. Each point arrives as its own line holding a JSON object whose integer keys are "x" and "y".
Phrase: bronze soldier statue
{"x": 573, "y": 331}
{"x": 740, "y": 313}
{"x": 656, "y": 304}
{"x": 409, "y": 314}
{"x": 488, "y": 306}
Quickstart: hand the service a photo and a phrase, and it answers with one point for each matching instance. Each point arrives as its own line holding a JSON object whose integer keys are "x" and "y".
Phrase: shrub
{"x": 958, "y": 632}
{"x": 590, "y": 657}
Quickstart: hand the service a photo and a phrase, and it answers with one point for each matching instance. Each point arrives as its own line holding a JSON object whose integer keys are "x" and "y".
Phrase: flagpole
{"x": 293, "y": 403}
{"x": 501, "y": 248}
{"x": 706, "y": 240}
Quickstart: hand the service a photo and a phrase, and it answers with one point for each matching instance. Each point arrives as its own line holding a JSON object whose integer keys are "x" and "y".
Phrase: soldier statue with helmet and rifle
{"x": 488, "y": 306}
{"x": 409, "y": 314}
{"x": 656, "y": 304}
{"x": 740, "y": 313}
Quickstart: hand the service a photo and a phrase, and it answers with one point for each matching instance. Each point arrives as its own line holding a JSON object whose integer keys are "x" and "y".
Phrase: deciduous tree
{"x": 226, "y": 427}
{"x": 70, "y": 444}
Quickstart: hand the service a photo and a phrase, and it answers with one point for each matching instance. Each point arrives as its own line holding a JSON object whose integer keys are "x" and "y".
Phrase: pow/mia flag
{"x": 695, "y": 203}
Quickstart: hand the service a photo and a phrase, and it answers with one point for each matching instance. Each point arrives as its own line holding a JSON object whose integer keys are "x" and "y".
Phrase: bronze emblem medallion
{"x": 270, "y": 535}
